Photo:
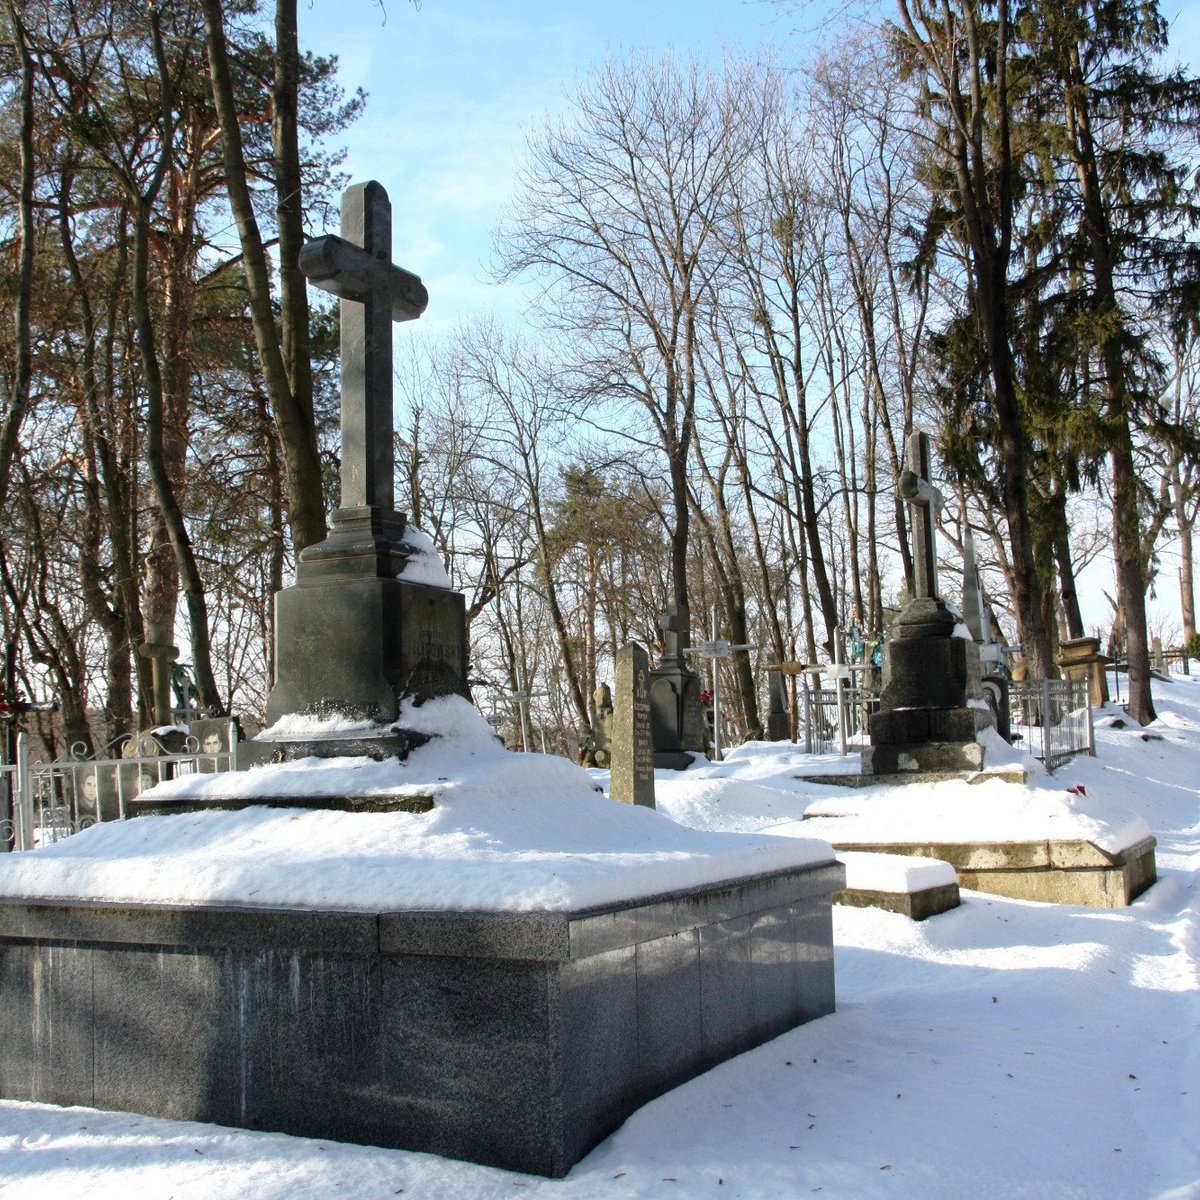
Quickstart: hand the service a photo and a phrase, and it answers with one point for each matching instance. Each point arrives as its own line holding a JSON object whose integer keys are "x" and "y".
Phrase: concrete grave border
{"x": 1051, "y": 871}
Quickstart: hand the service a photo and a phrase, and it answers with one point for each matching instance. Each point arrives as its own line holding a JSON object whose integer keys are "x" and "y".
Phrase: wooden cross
{"x": 357, "y": 267}
{"x": 916, "y": 486}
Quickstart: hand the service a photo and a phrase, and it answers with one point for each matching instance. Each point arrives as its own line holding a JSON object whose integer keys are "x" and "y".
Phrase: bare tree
{"x": 616, "y": 213}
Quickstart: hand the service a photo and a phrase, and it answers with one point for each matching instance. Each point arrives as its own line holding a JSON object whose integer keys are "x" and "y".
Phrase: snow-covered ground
{"x": 1005, "y": 1049}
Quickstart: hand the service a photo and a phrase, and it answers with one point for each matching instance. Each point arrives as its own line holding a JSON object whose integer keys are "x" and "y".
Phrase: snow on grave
{"x": 504, "y": 977}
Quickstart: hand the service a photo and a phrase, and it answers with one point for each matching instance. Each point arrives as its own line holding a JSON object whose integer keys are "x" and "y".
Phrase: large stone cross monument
{"x": 926, "y": 721}
{"x": 353, "y": 636}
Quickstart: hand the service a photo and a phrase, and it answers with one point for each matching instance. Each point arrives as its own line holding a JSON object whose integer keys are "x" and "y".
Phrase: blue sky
{"x": 454, "y": 85}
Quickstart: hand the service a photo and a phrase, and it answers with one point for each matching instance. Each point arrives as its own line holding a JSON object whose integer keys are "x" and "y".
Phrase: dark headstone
{"x": 779, "y": 721}
{"x": 676, "y": 713}
{"x": 632, "y": 780}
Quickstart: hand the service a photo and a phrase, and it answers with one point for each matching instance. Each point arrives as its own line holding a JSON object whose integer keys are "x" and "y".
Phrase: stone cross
{"x": 674, "y": 624}
{"x": 916, "y": 486}
{"x": 357, "y": 267}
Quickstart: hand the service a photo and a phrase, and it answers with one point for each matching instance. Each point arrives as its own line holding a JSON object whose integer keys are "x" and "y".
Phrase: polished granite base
{"x": 519, "y": 1040}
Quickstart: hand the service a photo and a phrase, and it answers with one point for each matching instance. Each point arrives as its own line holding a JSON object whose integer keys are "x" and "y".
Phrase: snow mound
{"x": 516, "y": 832}
{"x": 425, "y": 565}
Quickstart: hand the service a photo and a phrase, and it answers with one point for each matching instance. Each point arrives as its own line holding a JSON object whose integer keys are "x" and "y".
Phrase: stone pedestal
{"x": 1049, "y": 871}
{"x": 1080, "y": 658}
{"x": 355, "y": 638}
{"x": 925, "y": 722}
{"x": 513, "y": 1039}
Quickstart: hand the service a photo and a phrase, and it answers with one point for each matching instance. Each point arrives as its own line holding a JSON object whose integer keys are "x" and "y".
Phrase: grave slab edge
{"x": 546, "y": 936}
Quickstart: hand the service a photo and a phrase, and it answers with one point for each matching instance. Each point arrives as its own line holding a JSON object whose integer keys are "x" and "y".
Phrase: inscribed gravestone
{"x": 632, "y": 780}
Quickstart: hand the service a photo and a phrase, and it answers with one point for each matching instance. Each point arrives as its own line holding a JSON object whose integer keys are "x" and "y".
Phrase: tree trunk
{"x": 1127, "y": 542}
{"x": 1187, "y": 590}
{"x": 18, "y": 398}
{"x": 297, "y": 430}
{"x": 164, "y": 493}
{"x": 289, "y": 215}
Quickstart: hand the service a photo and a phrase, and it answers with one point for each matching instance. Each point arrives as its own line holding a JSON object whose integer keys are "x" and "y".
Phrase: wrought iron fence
{"x": 1052, "y": 718}
{"x": 51, "y": 800}
{"x": 836, "y": 716}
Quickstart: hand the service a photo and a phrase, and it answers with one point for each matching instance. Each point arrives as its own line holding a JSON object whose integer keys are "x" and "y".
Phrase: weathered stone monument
{"x": 779, "y": 720}
{"x": 632, "y": 780}
{"x": 354, "y": 636}
{"x": 925, "y": 722}
{"x": 1080, "y": 658}
{"x": 676, "y": 714}
{"x": 993, "y": 679}
{"x": 597, "y": 750}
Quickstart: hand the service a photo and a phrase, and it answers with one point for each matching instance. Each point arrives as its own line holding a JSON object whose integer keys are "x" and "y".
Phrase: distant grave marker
{"x": 632, "y": 780}
{"x": 926, "y": 721}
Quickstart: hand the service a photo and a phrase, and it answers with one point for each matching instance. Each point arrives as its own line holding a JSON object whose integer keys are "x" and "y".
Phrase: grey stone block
{"x": 515, "y": 1039}
{"x": 907, "y": 726}
{"x": 930, "y": 757}
{"x": 668, "y": 1010}
{"x": 311, "y": 1026}
{"x": 227, "y": 926}
{"x": 162, "y": 1023}
{"x": 599, "y": 1040}
{"x": 918, "y": 905}
{"x": 541, "y": 936}
{"x": 813, "y": 923}
{"x": 597, "y": 933}
{"x": 459, "y": 1030}
{"x": 726, "y": 987}
{"x": 46, "y": 1023}
{"x": 775, "y": 974}
{"x": 359, "y": 645}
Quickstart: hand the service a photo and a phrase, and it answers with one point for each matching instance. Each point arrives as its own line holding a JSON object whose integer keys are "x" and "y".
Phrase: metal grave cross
{"x": 714, "y": 650}
{"x": 916, "y": 486}
{"x": 357, "y": 267}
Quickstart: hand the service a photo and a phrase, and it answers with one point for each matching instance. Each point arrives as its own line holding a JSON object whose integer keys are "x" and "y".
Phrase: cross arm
{"x": 920, "y": 491}
{"x": 351, "y": 273}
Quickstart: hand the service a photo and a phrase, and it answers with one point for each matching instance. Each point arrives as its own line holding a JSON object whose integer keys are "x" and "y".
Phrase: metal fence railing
{"x": 1052, "y": 718}
{"x": 836, "y": 716}
{"x": 51, "y": 800}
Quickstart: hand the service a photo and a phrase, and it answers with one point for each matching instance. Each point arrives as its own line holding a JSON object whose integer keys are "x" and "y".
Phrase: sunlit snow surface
{"x": 507, "y": 831}
{"x": 1004, "y": 1049}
